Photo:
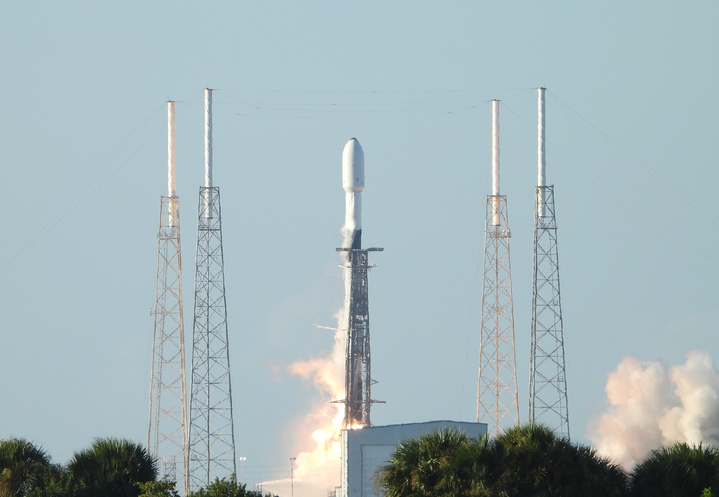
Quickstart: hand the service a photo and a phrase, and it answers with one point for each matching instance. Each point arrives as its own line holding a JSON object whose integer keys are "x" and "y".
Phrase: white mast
{"x": 171, "y": 192}
{"x": 541, "y": 161}
{"x": 208, "y": 138}
{"x": 495, "y": 161}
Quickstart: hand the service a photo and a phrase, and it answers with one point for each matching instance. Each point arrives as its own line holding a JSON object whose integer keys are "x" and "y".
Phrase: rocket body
{"x": 353, "y": 184}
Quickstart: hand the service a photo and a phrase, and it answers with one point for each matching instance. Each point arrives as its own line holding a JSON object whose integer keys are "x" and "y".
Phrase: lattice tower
{"x": 167, "y": 430}
{"x": 497, "y": 386}
{"x": 547, "y": 381}
{"x": 212, "y": 440}
{"x": 547, "y": 375}
{"x": 497, "y": 383}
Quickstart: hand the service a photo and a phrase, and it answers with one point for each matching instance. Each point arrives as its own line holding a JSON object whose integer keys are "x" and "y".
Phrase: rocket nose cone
{"x": 353, "y": 166}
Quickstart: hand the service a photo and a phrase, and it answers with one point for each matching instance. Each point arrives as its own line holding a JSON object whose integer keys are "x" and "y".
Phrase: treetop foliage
{"x": 524, "y": 461}
{"x": 533, "y": 461}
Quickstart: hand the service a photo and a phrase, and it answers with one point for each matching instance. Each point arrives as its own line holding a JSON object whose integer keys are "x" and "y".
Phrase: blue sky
{"x": 632, "y": 152}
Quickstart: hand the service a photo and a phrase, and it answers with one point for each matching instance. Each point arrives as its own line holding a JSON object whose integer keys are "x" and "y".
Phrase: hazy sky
{"x": 632, "y": 151}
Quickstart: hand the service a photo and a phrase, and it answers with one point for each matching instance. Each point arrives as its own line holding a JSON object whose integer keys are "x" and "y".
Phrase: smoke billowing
{"x": 318, "y": 469}
{"x": 652, "y": 405}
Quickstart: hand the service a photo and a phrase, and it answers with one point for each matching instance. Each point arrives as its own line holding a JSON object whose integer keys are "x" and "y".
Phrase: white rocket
{"x": 353, "y": 183}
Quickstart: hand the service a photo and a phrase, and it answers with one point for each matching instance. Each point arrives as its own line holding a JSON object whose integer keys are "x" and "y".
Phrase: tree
{"x": 442, "y": 463}
{"x": 224, "y": 488}
{"x": 524, "y": 461}
{"x": 678, "y": 470}
{"x": 112, "y": 468}
{"x": 157, "y": 489}
{"x": 58, "y": 483}
{"x": 23, "y": 467}
{"x": 534, "y": 461}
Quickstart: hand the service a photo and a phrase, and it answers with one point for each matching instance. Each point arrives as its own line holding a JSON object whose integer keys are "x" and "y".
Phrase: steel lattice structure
{"x": 211, "y": 441}
{"x": 167, "y": 433}
{"x": 358, "y": 378}
{"x": 547, "y": 381}
{"x": 497, "y": 384}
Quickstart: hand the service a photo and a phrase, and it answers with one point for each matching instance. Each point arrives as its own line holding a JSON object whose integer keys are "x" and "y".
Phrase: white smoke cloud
{"x": 652, "y": 405}
{"x": 317, "y": 469}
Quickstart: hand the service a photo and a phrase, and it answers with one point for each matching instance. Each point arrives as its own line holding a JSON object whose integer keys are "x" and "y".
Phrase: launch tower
{"x": 358, "y": 379}
{"x": 167, "y": 432}
{"x": 212, "y": 440}
{"x": 497, "y": 385}
{"x": 547, "y": 379}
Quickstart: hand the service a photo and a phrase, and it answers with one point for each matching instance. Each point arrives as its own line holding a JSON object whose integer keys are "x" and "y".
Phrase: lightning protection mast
{"x": 212, "y": 439}
{"x": 167, "y": 432}
{"x": 547, "y": 378}
{"x": 358, "y": 378}
{"x": 497, "y": 384}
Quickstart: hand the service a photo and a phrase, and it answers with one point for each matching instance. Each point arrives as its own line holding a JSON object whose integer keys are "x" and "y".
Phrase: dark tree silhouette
{"x": 23, "y": 467}
{"x": 677, "y": 470}
{"x": 534, "y": 461}
{"x": 441, "y": 463}
{"x": 524, "y": 461}
{"x": 112, "y": 468}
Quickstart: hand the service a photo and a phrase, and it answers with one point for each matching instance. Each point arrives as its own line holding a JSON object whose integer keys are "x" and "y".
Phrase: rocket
{"x": 353, "y": 184}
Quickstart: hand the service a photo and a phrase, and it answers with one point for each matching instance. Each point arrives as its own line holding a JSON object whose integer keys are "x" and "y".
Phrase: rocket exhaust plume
{"x": 651, "y": 405}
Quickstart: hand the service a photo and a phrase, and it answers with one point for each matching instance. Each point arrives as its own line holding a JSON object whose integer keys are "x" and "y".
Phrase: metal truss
{"x": 547, "y": 378}
{"x": 167, "y": 431}
{"x": 497, "y": 384}
{"x": 212, "y": 440}
{"x": 358, "y": 378}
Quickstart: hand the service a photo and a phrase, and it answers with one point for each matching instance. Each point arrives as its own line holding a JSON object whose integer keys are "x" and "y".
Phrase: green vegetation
{"x": 110, "y": 467}
{"x": 157, "y": 489}
{"x": 225, "y": 488}
{"x": 532, "y": 461}
{"x": 678, "y": 470}
{"x": 524, "y": 461}
{"x": 23, "y": 467}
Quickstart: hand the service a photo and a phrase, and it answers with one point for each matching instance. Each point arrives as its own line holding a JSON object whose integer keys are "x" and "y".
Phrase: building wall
{"x": 365, "y": 450}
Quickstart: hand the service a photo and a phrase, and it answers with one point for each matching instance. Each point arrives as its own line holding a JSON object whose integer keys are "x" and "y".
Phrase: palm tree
{"x": 524, "y": 461}
{"x": 112, "y": 468}
{"x": 23, "y": 467}
{"x": 442, "y": 463}
{"x": 678, "y": 470}
{"x": 534, "y": 461}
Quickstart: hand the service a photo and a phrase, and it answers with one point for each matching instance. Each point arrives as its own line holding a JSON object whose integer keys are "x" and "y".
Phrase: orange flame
{"x": 318, "y": 470}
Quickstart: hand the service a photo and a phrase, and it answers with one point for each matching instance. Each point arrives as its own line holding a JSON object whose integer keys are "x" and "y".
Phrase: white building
{"x": 365, "y": 450}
